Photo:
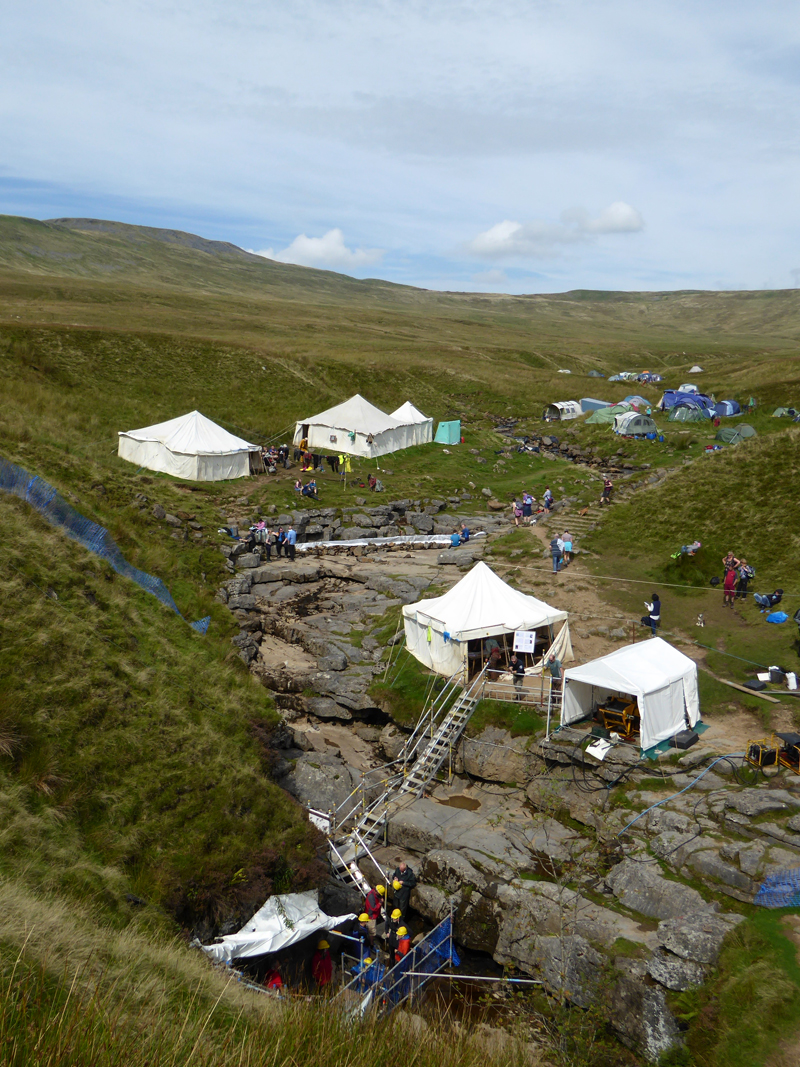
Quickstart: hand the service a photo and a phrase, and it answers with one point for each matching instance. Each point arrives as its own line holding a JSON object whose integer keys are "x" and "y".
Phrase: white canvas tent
{"x": 438, "y": 631}
{"x": 355, "y": 427}
{"x": 561, "y": 410}
{"x": 420, "y": 427}
{"x": 282, "y": 921}
{"x": 191, "y": 447}
{"x": 662, "y": 679}
{"x": 695, "y": 369}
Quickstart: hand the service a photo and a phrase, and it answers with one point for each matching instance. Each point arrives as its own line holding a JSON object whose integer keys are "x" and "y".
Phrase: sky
{"x": 478, "y": 145}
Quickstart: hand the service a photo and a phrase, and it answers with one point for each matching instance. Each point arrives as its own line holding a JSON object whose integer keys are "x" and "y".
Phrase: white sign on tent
{"x": 525, "y": 641}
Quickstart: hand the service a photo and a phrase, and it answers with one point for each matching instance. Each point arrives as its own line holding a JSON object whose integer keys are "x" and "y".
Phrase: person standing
{"x": 322, "y": 965}
{"x": 653, "y": 616}
{"x": 518, "y": 671}
{"x": 516, "y": 510}
{"x": 291, "y": 541}
{"x": 554, "y": 667}
{"x": 392, "y": 926}
{"x": 547, "y": 500}
{"x": 605, "y": 496}
{"x": 373, "y": 906}
{"x": 280, "y": 542}
{"x": 403, "y": 944}
{"x": 527, "y": 506}
{"x": 730, "y": 562}
{"x": 729, "y": 586}
{"x": 555, "y": 552}
{"x": 403, "y": 881}
{"x": 566, "y": 537}
{"x": 746, "y": 572}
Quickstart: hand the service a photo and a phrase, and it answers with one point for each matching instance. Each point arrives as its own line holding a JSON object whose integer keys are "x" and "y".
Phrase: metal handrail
{"x": 365, "y": 846}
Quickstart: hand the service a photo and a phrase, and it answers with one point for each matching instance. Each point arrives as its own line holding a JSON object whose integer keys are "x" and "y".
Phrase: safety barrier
{"x": 52, "y": 506}
{"x": 780, "y": 890}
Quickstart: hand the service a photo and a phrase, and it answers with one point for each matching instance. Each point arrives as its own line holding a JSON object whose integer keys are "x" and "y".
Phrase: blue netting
{"x": 49, "y": 503}
{"x": 428, "y": 958}
{"x": 780, "y": 890}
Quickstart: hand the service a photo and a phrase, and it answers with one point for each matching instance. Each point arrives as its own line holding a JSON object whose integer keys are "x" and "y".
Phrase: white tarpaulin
{"x": 355, "y": 427}
{"x": 480, "y": 605}
{"x": 190, "y": 446}
{"x": 282, "y": 921}
{"x": 662, "y": 679}
{"x": 420, "y": 427}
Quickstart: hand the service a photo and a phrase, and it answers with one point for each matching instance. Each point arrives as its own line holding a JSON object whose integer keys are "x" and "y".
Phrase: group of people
{"x": 396, "y": 934}
{"x": 524, "y": 508}
{"x": 459, "y": 537}
{"x": 277, "y": 541}
{"x": 561, "y": 551}
{"x": 309, "y": 489}
{"x": 273, "y": 457}
{"x": 494, "y": 660}
{"x": 738, "y": 573}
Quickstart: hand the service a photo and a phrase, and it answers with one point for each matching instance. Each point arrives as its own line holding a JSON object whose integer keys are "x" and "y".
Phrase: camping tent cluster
{"x": 357, "y": 428}
{"x": 445, "y": 633}
{"x": 190, "y": 446}
{"x": 662, "y": 679}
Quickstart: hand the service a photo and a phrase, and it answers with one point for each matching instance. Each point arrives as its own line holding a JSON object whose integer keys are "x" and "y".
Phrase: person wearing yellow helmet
{"x": 403, "y": 944}
{"x": 407, "y": 880}
{"x": 322, "y": 965}
{"x": 373, "y": 906}
{"x": 363, "y": 933}
{"x": 392, "y": 926}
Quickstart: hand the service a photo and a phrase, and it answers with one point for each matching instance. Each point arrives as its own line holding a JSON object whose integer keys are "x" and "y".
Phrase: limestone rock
{"x": 759, "y": 801}
{"x": 697, "y": 937}
{"x": 642, "y": 887}
{"x": 497, "y": 757}
{"x": 392, "y": 741}
{"x": 320, "y": 781}
{"x": 674, "y": 972}
{"x": 569, "y": 967}
{"x": 451, "y": 871}
{"x": 325, "y": 708}
{"x": 248, "y": 560}
{"x": 640, "y": 1014}
{"x": 158, "y": 512}
{"x": 244, "y": 602}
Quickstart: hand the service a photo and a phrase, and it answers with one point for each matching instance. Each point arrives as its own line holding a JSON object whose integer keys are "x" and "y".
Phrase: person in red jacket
{"x": 273, "y": 979}
{"x": 373, "y": 906}
{"x": 403, "y": 944}
{"x": 322, "y": 965}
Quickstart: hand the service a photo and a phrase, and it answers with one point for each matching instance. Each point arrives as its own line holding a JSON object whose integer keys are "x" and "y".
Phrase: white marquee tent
{"x": 191, "y": 447}
{"x": 355, "y": 427}
{"x": 662, "y": 679}
{"x": 419, "y": 425}
{"x": 282, "y": 921}
{"x": 480, "y": 605}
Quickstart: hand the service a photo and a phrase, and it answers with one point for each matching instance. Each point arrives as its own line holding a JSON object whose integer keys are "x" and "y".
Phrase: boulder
{"x": 697, "y": 937}
{"x": 248, "y": 560}
{"x": 354, "y": 533}
{"x": 325, "y": 708}
{"x": 496, "y": 505}
{"x": 674, "y": 972}
{"x": 641, "y": 887}
{"x": 496, "y": 756}
{"x": 570, "y": 968}
{"x": 455, "y": 557}
{"x": 334, "y": 660}
{"x": 451, "y": 871}
{"x": 159, "y": 512}
{"x": 392, "y": 741}
{"x": 320, "y": 781}
{"x": 244, "y": 602}
{"x": 639, "y": 1012}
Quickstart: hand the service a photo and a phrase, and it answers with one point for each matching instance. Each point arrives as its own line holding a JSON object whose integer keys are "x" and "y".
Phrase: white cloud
{"x": 507, "y": 238}
{"x": 326, "y": 251}
{"x": 490, "y": 277}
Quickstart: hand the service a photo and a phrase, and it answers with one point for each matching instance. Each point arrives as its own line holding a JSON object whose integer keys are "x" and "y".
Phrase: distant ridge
{"x": 170, "y": 237}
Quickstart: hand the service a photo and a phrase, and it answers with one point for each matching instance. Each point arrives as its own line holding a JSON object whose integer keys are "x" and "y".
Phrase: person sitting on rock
{"x": 455, "y": 539}
{"x": 464, "y": 536}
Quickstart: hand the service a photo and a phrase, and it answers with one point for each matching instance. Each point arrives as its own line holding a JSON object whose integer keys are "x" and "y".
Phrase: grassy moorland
{"x": 132, "y": 759}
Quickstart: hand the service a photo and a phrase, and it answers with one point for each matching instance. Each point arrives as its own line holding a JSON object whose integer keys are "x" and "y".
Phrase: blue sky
{"x": 455, "y": 144}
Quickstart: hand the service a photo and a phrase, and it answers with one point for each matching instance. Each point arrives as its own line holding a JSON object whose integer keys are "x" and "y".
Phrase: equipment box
{"x": 685, "y": 739}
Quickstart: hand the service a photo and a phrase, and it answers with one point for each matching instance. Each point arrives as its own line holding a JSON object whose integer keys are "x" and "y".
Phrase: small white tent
{"x": 282, "y": 921}
{"x": 695, "y": 369}
{"x": 355, "y": 427}
{"x": 662, "y": 679}
{"x": 420, "y": 427}
{"x": 191, "y": 447}
{"x": 439, "y": 631}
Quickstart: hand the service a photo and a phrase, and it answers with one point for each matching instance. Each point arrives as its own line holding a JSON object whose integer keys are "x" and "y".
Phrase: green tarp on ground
{"x": 732, "y": 435}
{"x": 448, "y": 433}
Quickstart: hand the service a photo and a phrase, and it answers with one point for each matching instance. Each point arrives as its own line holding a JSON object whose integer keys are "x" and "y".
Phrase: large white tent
{"x": 662, "y": 679}
{"x": 190, "y": 446}
{"x": 281, "y": 922}
{"x": 355, "y": 427}
{"x": 438, "y": 630}
{"x": 420, "y": 426}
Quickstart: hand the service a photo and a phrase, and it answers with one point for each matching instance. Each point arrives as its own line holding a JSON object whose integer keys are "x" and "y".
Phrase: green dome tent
{"x": 779, "y": 413}
{"x": 606, "y": 415}
{"x": 732, "y": 435}
{"x": 686, "y": 414}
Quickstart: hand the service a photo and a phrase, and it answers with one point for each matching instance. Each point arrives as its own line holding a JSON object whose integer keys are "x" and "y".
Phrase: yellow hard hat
{"x": 402, "y": 932}
{"x": 396, "y": 914}
{"x": 363, "y": 917}
{"x": 323, "y": 944}
{"x": 381, "y": 889}
{"x": 396, "y": 884}
{"x": 368, "y": 959}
